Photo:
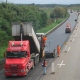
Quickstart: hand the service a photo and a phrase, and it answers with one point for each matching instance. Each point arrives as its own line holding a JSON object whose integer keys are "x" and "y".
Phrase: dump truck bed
{"x": 28, "y": 34}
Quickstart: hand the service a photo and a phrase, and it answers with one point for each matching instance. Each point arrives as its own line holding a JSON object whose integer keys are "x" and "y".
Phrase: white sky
{"x": 44, "y": 1}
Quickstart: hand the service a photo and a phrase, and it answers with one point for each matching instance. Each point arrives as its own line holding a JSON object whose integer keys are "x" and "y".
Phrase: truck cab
{"x": 18, "y": 61}
{"x": 68, "y": 28}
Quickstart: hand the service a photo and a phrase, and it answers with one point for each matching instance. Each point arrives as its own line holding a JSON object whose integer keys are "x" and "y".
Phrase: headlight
{"x": 6, "y": 70}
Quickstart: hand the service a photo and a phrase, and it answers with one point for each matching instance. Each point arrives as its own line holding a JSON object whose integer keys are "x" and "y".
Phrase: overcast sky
{"x": 44, "y": 1}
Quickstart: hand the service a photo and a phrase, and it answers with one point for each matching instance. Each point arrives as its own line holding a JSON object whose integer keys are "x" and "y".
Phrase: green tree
{"x": 58, "y": 12}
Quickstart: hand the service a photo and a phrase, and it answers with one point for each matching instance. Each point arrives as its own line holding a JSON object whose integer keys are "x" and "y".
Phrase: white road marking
{"x": 68, "y": 48}
{"x": 61, "y": 64}
{"x": 75, "y": 34}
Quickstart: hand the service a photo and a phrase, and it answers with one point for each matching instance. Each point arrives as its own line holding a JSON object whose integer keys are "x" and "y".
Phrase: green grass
{"x": 47, "y": 28}
{"x": 2, "y": 50}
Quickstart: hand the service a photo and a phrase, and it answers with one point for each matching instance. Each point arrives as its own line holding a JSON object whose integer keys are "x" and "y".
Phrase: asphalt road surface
{"x": 67, "y": 66}
{"x": 56, "y": 38}
{"x": 59, "y": 36}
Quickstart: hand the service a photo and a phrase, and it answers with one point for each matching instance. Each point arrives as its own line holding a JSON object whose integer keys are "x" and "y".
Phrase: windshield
{"x": 15, "y": 54}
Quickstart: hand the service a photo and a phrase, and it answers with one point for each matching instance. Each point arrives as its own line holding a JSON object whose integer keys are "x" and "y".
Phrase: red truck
{"x": 68, "y": 28}
{"x": 24, "y": 52}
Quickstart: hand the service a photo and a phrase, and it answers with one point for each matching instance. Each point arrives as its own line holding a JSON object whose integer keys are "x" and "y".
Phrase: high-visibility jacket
{"x": 58, "y": 48}
{"x": 44, "y": 39}
{"x": 45, "y": 63}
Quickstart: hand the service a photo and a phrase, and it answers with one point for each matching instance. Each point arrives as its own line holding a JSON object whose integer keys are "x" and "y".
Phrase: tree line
{"x": 24, "y": 13}
{"x": 19, "y": 13}
{"x": 59, "y": 12}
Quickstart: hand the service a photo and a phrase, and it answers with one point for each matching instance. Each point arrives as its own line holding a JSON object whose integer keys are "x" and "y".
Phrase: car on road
{"x": 75, "y": 19}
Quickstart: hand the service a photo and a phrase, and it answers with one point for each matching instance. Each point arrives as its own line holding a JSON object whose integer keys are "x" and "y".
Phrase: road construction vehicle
{"x": 24, "y": 52}
{"x": 68, "y": 28}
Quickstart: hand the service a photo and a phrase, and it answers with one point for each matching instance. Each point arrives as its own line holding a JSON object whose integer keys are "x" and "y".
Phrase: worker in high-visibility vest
{"x": 44, "y": 65}
{"x": 58, "y": 50}
{"x": 44, "y": 38}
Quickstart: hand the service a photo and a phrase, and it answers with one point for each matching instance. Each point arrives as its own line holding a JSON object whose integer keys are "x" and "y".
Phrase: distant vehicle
{"x": 75, "y": 19}
{"x": 71, "y": 11}
{"x": 68, "y": 28}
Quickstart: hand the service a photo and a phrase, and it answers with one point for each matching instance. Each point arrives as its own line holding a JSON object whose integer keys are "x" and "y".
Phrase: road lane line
{"x": 69, "y": 48}
{"x": 75, "y": 34}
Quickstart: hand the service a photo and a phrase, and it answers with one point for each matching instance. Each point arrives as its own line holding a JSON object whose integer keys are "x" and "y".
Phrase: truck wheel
{"x": 34, "y": 63}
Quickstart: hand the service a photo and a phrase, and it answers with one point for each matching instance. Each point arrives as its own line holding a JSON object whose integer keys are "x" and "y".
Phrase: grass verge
{"x": 47, "y": 28}
{"x": 2, "y": 50}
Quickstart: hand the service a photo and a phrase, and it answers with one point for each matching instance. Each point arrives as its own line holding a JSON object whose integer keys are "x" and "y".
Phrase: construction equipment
{"x": 24, "y": 52}
{"x": 68, "y": 28}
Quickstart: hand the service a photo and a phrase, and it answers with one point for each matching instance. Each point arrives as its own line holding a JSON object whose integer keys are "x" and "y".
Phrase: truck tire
{"x": 35, "y": 59}
{"x": 33, "y": 63}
